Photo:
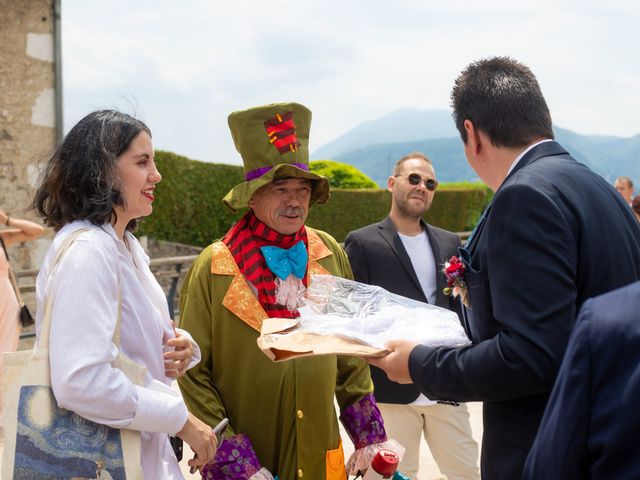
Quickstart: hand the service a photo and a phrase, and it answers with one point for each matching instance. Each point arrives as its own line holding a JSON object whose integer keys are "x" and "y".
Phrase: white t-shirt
{"x": 84, "y": 315}
{"x": 421, "y": 255}
{"x": 419, "y": 249}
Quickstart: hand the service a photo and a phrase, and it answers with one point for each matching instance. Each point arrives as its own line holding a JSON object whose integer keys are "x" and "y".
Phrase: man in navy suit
{"x": 554, "y": 235}
{"x": 591, "y": 424}
{"x": 404, "y": 255}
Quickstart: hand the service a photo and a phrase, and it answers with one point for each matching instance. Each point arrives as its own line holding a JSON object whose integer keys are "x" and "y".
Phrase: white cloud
{"x": 186, "y": 65}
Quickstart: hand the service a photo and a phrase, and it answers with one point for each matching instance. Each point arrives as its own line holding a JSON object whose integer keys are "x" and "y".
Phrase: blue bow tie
{"x": 284, "y": 262}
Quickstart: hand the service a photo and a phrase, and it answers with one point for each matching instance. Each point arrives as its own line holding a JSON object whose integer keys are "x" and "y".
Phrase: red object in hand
{"x": 384, "y": 465}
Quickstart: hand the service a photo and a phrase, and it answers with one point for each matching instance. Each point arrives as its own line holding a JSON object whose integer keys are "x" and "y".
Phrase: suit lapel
{"x": 239, "y": 299}
{"x": 441, "y": 298}
{"x": 390, "y": 235}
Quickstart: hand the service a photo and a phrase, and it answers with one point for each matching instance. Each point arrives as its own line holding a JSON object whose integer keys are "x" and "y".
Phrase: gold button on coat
{"x": 300, "y": 473}
{"x": 300, "y": 414}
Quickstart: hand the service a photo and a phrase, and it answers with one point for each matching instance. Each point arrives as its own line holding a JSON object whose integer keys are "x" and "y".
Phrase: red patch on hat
{"x": 282, "y": 132}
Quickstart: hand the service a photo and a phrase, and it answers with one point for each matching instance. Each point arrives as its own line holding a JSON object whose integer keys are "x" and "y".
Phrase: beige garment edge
{"x": 32, "y": 367}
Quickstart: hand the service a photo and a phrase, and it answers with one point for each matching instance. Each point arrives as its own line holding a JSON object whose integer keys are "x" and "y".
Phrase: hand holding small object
{"x": 217, "y": 431}
{"x": 200, "y": 437}
{"x": 177, "y": 361}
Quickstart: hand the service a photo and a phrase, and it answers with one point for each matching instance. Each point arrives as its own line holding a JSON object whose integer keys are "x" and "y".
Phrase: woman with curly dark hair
{"x": 102, "y": 180}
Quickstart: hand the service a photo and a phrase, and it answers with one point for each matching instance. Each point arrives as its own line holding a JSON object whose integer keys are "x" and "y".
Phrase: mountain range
{"x": 374, "y": 146}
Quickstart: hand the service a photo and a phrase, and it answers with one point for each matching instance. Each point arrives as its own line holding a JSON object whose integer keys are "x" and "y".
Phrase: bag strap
{"x": 45, "y": 328}
{"x": 12, "y": 276}
{"x": 4, "y": 247}
{"x": 16, "y": 288}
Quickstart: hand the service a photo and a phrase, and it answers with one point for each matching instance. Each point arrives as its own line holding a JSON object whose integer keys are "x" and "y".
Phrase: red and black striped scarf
{"x": 244, "y": 240}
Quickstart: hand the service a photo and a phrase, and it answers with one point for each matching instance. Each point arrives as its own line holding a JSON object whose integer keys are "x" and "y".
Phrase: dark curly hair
{"x": 80, "y": 181}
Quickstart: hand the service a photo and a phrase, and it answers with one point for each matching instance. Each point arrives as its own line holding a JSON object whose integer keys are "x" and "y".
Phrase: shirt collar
{"x": 134, "y": 252}
{"x": 524, "y": 152}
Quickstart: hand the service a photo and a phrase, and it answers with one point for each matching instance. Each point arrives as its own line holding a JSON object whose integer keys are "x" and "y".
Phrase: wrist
{"x": 235, "y": 458}
{"x": 181, "y": 432}
{"x": 363, "y": 422}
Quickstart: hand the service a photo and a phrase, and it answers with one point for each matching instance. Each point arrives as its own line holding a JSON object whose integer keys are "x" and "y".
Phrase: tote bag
{"x": 47, "y": 442}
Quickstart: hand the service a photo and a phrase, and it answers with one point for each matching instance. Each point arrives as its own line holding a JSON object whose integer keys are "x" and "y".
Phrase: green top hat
{"x": 273, "y": 141}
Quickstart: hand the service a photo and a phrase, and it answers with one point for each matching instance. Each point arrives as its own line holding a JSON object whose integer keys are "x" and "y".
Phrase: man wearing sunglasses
{"x": 404, "y": 255}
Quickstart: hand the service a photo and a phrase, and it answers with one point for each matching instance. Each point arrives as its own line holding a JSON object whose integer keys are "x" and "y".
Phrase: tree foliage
{"x": 341, "y": 175}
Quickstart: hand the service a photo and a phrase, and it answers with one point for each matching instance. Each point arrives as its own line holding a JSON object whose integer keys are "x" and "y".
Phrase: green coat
{"x": 287, "y": 408}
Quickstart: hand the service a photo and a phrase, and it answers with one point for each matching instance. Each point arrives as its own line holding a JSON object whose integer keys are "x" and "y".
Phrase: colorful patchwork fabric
{"x": 363, "y": 422}
{"x": 234, "y": 460}
{"x": 282, "y": 133}
{"x": 244, "y": 240}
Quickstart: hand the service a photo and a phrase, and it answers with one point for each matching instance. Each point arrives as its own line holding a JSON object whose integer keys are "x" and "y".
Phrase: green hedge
{"x": 188, "y": 207}
{"x": 455, "y": 209}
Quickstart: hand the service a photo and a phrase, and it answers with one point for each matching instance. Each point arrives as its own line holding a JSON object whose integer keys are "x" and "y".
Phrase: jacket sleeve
{"x": 560, "y": 448}
{"x": 199, "y": 392}
{"x": 359, "y": 412}
{"x": 353, "y": 381}
{"x": 235, "y": 457}
{"x": 529, "y": 290}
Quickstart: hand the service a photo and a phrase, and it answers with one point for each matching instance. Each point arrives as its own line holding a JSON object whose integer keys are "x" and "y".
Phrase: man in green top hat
{"x": 282, "y": 416}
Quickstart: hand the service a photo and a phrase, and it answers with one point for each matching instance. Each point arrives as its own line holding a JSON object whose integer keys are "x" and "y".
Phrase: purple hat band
{"x": 258, "y": 172}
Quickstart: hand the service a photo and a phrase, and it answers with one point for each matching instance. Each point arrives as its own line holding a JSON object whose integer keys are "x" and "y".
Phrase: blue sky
{"x": 183, "y": 66}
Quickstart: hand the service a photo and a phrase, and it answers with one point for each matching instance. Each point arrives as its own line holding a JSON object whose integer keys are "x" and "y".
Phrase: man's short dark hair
{"x": 81, "y": 181}
{"x": 502, "y": 98}
{"x": 420, "y": 155}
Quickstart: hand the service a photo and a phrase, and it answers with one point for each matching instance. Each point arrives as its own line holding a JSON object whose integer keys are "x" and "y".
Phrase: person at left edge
{"x": 282, "y": 415}
{"x": 102, "y": 178}
{"x": 17, "y": 231}
{"x": 591, "y": 423}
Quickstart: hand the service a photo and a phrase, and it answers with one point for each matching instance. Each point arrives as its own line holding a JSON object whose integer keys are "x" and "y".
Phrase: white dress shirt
{"x": 85, "y": 302}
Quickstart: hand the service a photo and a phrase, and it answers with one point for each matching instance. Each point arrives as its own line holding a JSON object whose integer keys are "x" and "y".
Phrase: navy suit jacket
{"x": 378, "y": 257}
{"x": 591, "y": 425}
{"x": 554, "y": 235}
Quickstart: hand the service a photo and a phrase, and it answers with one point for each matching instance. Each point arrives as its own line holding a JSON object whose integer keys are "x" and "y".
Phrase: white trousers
{"x": 446, "y": 429}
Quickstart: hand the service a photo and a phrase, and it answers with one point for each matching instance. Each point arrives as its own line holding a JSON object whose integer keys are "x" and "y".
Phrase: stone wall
{"x": 27, "y": 110}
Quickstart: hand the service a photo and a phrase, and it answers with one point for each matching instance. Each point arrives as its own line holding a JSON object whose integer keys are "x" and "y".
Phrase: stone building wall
{"x": 27, "y": 110}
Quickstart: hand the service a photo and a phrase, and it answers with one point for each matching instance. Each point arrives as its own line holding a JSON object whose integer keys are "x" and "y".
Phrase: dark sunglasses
{"x": 414, "y": 179}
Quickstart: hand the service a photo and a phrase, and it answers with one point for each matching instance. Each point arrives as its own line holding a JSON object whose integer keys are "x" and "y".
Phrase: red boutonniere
{"x": 454, "y": 273}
